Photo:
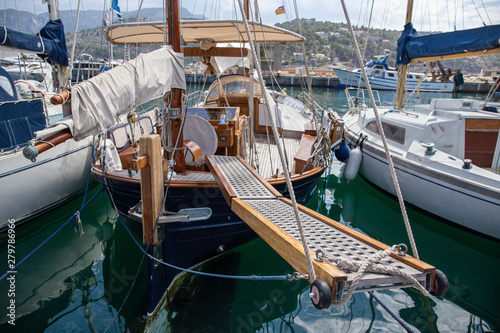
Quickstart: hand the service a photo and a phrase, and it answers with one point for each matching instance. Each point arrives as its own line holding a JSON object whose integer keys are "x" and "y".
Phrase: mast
{"x": 402, "y": 69}
{"x": 174, "y": 39}
{"x": 251, "y": 105}
{"x": 53, "y": 11}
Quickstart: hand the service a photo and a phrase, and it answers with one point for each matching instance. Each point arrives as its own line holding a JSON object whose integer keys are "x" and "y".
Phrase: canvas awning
{"x": 192, "y": 31}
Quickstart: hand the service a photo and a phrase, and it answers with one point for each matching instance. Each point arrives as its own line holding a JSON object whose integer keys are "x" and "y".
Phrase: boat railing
{"x": 358, "y": 99}
{"x": 304, "y": 97}
{"x": 90, "y": 66}
{"x": 194, "y": 97}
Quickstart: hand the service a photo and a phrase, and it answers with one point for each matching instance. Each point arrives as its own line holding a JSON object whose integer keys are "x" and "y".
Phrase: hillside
{"x": 328, "y": 44}
{"x": 334, "y": 42}
{"x": 30, "y": 23}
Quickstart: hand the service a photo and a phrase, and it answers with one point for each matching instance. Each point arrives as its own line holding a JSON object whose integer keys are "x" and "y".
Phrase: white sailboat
{"x": 446, "y": 154}
{"x": 33, "y": 186}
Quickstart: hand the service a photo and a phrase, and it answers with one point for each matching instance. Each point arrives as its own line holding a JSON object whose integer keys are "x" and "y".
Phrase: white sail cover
{"x": 222, "y": 64}
{"x": 97, "y": 103}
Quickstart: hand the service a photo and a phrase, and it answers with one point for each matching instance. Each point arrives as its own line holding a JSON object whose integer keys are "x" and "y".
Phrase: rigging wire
{"x": 381, "y": 131}
{"x": 283, "y": 163}
{"x": 486, "y": 11}
{"x": 478, "y": 13}
{"x": 448, "y": 13}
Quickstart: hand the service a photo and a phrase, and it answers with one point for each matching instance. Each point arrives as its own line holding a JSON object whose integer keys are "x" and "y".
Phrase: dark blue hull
{"x": 185, "y": 244}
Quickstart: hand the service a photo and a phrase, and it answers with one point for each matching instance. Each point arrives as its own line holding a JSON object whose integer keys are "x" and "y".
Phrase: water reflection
{"x": 470, "y": 262}
{"x": 71, "y": 284}
{"x": 205, "y": 304}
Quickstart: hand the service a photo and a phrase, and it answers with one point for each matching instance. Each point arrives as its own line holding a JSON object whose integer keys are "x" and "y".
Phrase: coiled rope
{"x": 370, "y": 265}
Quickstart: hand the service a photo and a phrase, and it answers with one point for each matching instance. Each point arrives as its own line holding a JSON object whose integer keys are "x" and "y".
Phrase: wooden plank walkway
{"x": 271, "y": 216}
{"x": 267, "y": 157}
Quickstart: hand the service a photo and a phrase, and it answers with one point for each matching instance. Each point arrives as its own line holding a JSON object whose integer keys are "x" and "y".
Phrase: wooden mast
{"x": 402, "y": 69}
{"x": 174, "y": 39}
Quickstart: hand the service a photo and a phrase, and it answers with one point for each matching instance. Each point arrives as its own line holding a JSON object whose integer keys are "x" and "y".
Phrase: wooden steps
{"x": 271, "y": 216}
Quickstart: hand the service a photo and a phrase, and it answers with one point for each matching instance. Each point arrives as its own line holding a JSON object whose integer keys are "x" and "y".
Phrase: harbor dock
{"x": 327, "y": 81}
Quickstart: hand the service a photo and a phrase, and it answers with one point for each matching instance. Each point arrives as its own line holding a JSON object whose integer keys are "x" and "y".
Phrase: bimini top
{"x": 193, "y": 31}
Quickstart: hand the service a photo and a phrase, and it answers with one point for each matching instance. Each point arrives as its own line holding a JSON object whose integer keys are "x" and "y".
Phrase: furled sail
{"x": 412, "y": 46}
{"x": 49, "y": 42}
{"x": 96, "y": 104}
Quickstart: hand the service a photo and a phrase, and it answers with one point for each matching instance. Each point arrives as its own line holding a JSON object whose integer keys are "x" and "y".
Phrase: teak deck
{"x": 271, "y": 216}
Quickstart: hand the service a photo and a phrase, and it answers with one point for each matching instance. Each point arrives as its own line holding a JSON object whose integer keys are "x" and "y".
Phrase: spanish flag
{"x": 280, "y": 10}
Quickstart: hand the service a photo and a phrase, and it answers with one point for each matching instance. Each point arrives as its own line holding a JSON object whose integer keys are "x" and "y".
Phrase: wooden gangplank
{"x": 272, "y": 217}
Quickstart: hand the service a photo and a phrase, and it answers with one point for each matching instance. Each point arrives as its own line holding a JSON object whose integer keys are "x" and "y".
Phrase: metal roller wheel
{"x": 321, "y": 294}
{"x": 441, "y": 283}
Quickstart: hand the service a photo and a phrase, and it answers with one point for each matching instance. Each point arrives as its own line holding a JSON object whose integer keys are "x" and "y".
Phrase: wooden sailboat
{"x": 229, "y": 122}
{"x": 445, "y": 153}
{"x": 214, "y": 180}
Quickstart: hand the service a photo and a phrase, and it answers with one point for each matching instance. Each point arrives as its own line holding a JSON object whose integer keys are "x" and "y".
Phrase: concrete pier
{"x": 330, "y": 82}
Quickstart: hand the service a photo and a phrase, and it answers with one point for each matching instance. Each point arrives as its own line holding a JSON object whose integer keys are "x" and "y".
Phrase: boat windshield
{"x": 238, "y": 87}
{"x": 5, "y": 85}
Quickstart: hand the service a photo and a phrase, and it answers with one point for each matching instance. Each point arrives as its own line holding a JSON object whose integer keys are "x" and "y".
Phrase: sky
{"x": 428, "y": 15}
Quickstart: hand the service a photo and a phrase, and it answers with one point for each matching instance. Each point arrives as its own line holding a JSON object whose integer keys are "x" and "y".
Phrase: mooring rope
{"x": 287, "y": 277}
{"x": 382, "y": 136}
{"x": 280, "y": 150}
{"x": 392, "y": 314}
{"x": 77, "y": 213}
{"x": 370, "y": 265}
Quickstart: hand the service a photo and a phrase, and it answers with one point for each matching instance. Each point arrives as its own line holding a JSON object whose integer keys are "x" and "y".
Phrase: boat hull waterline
{"x": 448, "y": 197}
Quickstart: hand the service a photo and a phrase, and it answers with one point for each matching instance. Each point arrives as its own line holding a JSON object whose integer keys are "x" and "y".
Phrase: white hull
{"x": 429, "y": 145}
{"x": 29, "y": 189}
{"x": 449, "y": 197}
{"x": 352, "y": 79}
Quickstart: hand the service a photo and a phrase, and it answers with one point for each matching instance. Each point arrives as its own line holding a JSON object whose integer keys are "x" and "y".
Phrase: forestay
{"x": 97, "y": 103}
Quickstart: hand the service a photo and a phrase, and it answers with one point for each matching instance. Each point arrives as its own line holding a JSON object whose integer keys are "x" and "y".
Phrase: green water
{"x": 78, "y": 285}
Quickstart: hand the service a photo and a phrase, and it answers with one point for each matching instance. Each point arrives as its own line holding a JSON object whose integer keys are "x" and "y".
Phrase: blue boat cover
{"x": 49, "y": 41}
{"x": 18, "y": 122}
{"x": 412, "y": 46}
{"x": 381, "y": 60}
{"x": 18, "y": 119}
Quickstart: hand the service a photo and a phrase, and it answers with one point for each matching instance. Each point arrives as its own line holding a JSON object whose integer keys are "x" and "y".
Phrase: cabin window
{"x": 392, "y": 132}
{"x": 390, "y": 74}
{"x": 235, "y": 87}
{"x": 213, "y": 93}
{"x": 239, "y": 87}
{"x": 410, "y": 76}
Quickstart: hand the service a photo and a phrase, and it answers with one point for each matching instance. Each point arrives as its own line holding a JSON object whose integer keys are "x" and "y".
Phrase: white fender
{"x": 353, "y": 163}
{"x": 112, "y": 160}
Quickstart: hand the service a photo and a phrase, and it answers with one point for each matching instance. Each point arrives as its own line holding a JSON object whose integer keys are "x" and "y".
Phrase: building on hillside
{"x": 298, "y": 56}
{"x": 322, "y": 34}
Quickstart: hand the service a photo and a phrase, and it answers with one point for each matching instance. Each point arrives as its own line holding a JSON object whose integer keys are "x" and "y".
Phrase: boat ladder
{"x": 272, "y": 217}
